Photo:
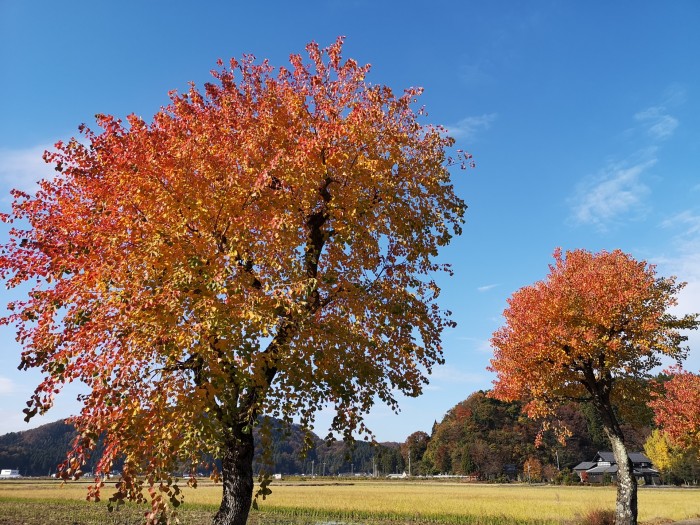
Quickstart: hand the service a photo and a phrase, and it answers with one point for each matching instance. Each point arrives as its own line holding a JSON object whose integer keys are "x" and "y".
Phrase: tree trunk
{"x": 626, "y": 503}
{"x": 237, "y": 474}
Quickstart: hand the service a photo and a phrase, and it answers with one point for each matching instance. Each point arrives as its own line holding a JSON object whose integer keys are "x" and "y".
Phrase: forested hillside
{"x": 479, "y": 436}
{"x": 488, "y": 438}
{"x": 323, "y": 458}
{"x": 38, "y": 452}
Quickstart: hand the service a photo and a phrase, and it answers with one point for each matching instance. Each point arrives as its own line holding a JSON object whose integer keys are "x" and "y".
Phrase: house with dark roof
{"x": 604, "y": 466}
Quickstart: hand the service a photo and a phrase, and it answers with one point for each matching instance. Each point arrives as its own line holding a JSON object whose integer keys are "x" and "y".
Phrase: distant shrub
{"x": 566, "y": 477}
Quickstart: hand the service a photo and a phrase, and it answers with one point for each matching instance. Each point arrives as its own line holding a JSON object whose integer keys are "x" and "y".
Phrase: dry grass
{"x": 598, "y": 517}
{"x": 517, "y": 502}
{"x": 420, "y": 502}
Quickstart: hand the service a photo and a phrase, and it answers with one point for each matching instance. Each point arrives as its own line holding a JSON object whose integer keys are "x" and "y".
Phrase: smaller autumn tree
{"x": 659, "y": 450}
{"x": 677, "y": 408}
{"x": 664, "y": 455}
{"x": 592, "y": 331}
{"x": 677, "y": 463}
{"x": 413, "y": 449}
{"x": 532, "y": 469}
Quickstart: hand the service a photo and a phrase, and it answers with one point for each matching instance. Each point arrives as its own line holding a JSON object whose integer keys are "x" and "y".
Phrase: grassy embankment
{"x": 46, "y": 502}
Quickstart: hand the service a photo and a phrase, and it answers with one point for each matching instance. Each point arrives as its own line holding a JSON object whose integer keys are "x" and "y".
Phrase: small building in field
{"x": 7, "y": 473}
{"x": 604, "y": 468}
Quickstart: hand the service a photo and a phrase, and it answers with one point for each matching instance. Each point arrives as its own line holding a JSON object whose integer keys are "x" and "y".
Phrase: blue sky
{"x": 583, "y": 118}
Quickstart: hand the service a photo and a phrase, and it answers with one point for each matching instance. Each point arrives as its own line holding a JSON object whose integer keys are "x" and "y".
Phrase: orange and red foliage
{"x": 677, "y": 408}
{"x": 266, "y": 246}
{"x": 595, "y": 327}
{"x": 593, "y": 330}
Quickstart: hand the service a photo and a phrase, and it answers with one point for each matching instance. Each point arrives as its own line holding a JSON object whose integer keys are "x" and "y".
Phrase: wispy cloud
{"x": 657, "y": 123}
{"x": 452, "y": 375}
{"x": 684, "y": 231}
{"x": 486, "y": 287}
{"x": 475, "y": 74}
{"x": 469, "y": 127}
{"x": 482, "y": 346}
{"x": 22, "y": 168}
{"x": 689, "y": 224}
{"x": 616, "y": 191}
{"x": 675, "y": 95}
{"x": 6, "y": 386}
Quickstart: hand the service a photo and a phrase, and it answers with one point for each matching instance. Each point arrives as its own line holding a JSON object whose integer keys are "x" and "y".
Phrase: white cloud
{"x": 687, "y": 221}
{"x": 687, "y": 270}
{"x": 6, "y": 386}
{"x": 486, "y": 287}
{"x": 685, "y": 263}
{"x": 657, "y": 123}
{"x": 452, "y": 375}
{"x": 675, "y": 95}
{"x": 617, "y": 191}
{"x": 469, "y": 127}
{"x": 482, "y": 346}
{"x": 684, "y": 228}
{"x": 22, "y": 168}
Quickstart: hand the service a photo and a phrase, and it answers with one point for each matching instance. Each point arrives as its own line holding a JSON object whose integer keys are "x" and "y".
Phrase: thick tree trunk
{"x": 237, "y": 473}
{"x": 626, "y": 503}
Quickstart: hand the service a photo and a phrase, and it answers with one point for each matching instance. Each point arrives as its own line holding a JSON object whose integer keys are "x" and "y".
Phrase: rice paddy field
{"x": 39, "y": 502}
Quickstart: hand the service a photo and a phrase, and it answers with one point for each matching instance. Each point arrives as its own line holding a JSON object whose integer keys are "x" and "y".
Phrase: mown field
{"x": 46, "y": 502}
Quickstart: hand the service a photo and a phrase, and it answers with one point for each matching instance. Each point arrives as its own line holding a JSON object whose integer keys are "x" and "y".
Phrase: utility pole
{"x": 409, "y": 462}
{"x": 324, "y": 469}
{"x": 312, "y": 467}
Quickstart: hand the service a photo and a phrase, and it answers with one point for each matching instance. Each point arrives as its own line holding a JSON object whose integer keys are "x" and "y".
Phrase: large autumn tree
{"x": 266, "y": 246}
{"x": 592, "y": 331}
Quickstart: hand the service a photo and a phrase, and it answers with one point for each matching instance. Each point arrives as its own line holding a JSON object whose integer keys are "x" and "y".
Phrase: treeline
{"x": 493, "y": 440}
{"x": 490, "y": 439}
{"x": 479, "y": 437}
{"x": 39, "y": 451}
{"x": 291, "y": 453}
{"x": 36, "y": 452}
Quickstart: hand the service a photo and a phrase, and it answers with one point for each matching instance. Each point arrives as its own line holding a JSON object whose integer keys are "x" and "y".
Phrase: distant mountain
{"x": 38, "y": 452}
{"x": 478, "y": 436}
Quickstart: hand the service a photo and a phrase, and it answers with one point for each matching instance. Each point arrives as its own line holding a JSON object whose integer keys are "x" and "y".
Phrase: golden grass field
{"x": 400, "y": 501}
